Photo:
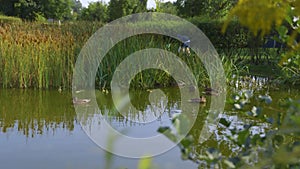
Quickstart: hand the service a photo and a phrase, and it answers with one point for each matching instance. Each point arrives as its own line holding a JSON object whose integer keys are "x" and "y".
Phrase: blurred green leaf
{"x": 145, "y": 163}
{"x": 168, "y": 133}
{"x": 229, "y": 164}
{"x": 163, "y": 129}
{"x": 242, "y": 137}
{"x": 187, "y": 141}
{"x": 182, "y": 124}
{"x": 295, "y": 119}
{"x": 282, "y": 30}
{"x": 224, "y": 122}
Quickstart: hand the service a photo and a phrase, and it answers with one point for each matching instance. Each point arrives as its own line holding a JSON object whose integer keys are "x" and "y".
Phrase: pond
{"x": 40, "y": 129}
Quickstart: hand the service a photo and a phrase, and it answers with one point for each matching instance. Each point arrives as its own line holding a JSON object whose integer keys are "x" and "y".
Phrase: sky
{"x": 150, "y": 4}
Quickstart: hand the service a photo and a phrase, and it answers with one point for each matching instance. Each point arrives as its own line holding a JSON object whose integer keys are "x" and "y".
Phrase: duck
{"x": 201, "y": 99}
{"x": 59, "y": 89}
{"x": 192, "y": 88}
{"x": 210, "y": 91}
{"x": 80, "y": 101}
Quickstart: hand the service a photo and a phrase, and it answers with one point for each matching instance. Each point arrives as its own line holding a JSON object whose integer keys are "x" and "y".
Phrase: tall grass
{"x": 43, "y": 56}
{"x": 31, "y": 56}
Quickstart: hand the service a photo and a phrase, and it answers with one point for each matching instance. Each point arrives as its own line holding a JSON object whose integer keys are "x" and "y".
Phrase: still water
{"x": 40, "y": 129}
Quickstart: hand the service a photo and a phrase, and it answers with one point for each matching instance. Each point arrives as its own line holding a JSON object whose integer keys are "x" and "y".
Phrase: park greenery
{"x": 38, "y": 54}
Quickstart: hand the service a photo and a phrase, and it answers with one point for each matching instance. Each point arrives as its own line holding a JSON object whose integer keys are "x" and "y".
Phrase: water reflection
{"x": 250, "y": 82}
{"x": 31, "y": 113}
{"x": 35, "y": 112}
{"x": 138, "y": 127}
{"x": 54, "y": 138}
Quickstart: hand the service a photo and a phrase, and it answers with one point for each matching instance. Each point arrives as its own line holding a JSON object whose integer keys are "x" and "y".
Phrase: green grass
{"x": 43, "y": 56}
{"x": 265, "y": 70}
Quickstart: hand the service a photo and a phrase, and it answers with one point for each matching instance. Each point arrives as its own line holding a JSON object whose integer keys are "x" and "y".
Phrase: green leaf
{"x": 182, "y": 124}
{"x": 187, "y": 141}
{"x": 242, "y": 137}
{"x": 282, "y": 30}
{"x": 224, "y": 122}
{"x": 278, "y": 139}
{"x": 229, "y": 164}
{"x": 168, "y": 133}
{"x": 256, "y": 140}
{"x": 145, "y": 163}
{"x": 295, "y": 119}
{"x": 163, "y": 129}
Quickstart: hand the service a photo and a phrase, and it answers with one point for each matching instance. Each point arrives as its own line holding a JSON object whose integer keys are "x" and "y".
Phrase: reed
{"x": 35, "y": 56}
{"x": 43, "y": 56}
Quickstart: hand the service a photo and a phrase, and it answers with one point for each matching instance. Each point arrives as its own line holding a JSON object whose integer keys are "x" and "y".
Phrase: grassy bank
{"x": 35, "y": 55}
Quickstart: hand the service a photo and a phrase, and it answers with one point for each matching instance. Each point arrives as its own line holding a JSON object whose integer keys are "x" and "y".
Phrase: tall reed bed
{"x": 153, "y": 78}
{"x": 35, "y": 56}
{"x": 149, "y": 78}
{"x": 43, "y": 56}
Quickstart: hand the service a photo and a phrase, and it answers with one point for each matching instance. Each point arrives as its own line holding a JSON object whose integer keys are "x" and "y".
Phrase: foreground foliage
{"x": 263, "y": 17}
{"x": 277, "y": 146}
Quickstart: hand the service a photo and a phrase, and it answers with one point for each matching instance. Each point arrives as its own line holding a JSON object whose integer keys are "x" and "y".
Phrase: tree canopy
{"x": 96, "y": 11}
{"x": 119, "y": 8}
{"x": 210, "y": 8}
{"x": 100, "y": 11}
{"x": 30, "y": 9}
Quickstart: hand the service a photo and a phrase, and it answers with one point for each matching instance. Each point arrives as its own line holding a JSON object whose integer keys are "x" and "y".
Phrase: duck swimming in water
{"x": 210, "y": 91}
{"x": 202, "y": 99}
{"x": 80, "y": 101}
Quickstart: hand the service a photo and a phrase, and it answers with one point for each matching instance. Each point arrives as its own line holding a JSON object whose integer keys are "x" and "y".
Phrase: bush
{"x": 236, "y": 36}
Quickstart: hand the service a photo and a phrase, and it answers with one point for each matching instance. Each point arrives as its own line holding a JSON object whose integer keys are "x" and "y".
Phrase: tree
{"x": 190, "y": 8}
{"x": 210, "y": 8}
{"x": 25, "y": 9}
{"x": 269, "y": 15}
{"x": 76, "y": 6}
{"x": 119, "y": 8}
{"x": 218, "y": 8}
{"x": 139, "y": 6}
{"x": 168, "y": 7}
{"x": 29, "y": 9}
{"x": 96, "y": 11}
{"x": 56, "y": 9}
{"x": 7, "y": 7}
{"x": 76, "y": 9}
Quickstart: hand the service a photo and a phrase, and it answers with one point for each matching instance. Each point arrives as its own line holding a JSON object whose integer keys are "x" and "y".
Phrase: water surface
{"x": 40, "y": 129}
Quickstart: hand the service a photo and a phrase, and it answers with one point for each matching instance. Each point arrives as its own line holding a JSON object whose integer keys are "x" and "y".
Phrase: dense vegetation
{"x": 42, "y": 56}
